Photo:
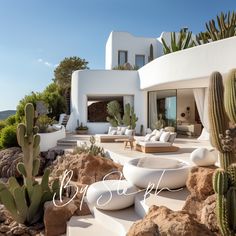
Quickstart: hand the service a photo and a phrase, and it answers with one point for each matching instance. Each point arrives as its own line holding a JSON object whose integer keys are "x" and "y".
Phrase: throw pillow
{"x": 158, "y": 135}
{"x": 165, "y": 136}
{"x": 154, "y": 132}
{"x": 123, "y": 129}
{"x": 129, "y": 132}
{"x": 119, "y": 132}
{"x": 113, "y": 132}
{"x": 112, "y": 129}
{"x": 148, "y": 137}
{"x": 154, "y": 138}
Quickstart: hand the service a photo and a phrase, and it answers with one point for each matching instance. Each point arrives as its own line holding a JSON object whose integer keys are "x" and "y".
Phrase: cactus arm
{"x": 21, "y": 169}
{"x": 20, "y": 201}
{"x": 230, "y": 95}
{"x": 36, "y": 164}
{"x": 35, "y": 202}
{"x": 217, "y": 116}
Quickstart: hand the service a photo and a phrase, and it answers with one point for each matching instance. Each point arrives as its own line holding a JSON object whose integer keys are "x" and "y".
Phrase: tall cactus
{"x": 129, "y": 118}
{"x": 25, "y": 202}
{"x": 230, "y": 96}
{"x": 224, "y": 179}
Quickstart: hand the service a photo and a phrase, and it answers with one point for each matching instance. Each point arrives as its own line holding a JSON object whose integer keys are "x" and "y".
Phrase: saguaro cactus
{"x": 25, "y": 202}
{"x": 224, "y": 179}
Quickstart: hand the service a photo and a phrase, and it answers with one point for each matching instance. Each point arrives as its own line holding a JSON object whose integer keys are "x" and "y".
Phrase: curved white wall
{"x": 104, "y": 83}
{"x": 49, "y": 140}
{"x": 190, "y": 64}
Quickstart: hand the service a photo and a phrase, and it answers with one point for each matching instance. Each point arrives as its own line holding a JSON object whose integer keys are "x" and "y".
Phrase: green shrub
{"x": 91, "y": 149}
{"x": 43, "y": 121}
{"x": 2, "y": 124}
{"x": 51, "y": 96}
{"x": 8, "y": 137}
{"x": 20, "y": 110}
{"x": 11, "y": 120}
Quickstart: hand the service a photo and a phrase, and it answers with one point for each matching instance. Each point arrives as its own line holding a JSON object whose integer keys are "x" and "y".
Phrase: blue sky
{"x": 35, "y": 35}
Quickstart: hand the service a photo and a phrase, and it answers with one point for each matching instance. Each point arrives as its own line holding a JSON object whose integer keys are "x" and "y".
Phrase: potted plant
{"x": 81, "y": 129}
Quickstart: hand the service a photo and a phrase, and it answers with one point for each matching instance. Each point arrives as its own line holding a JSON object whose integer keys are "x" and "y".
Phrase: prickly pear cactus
{"x": 224, "y": 179}
{"x": 25, "y": 202}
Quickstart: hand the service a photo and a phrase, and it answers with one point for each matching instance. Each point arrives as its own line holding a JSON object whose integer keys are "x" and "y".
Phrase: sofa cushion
{"x": 129, "y": 132}
{"x": 157, "y": 136}
{"x": 148, "y": 137}
{"x": 153, "y": 144}
{"x": 154, "y": 132}
{"x": 165, "y": 136}
{"x": 157, "y": 163}
{"x": 172, "y": 137}
{"x": 113, "y": 132}
{"x": 122, "y": 129}
{"x": 112, "y": 129}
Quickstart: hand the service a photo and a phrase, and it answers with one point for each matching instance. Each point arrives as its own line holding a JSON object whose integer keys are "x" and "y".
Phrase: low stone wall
{"x": 49, "y": 140}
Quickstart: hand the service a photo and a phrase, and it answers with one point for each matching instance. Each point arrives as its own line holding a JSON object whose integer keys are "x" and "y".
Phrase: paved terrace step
{"x": 87, "y": 226}
{"x": 71, "y": 140}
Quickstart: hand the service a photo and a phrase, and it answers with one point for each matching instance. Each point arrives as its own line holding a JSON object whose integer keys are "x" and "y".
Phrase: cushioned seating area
{"x": 114, "y": 133}
{"x": 157, "y": 141}
{"x": 107, "y": 138}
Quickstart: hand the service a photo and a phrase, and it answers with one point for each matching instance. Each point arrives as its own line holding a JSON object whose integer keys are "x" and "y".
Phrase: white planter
{"x": 171, "y": 178}
{"x": 49, "y": 140}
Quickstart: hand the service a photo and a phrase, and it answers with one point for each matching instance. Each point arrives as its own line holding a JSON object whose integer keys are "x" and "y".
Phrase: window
{"x": 162, "y": 108}
{"x": 122, "y": 57}
{"x": 97, "y": 107}
{"x": 139, "y": 60}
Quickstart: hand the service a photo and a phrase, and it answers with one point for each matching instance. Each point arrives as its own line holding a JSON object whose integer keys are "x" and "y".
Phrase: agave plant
{"x": 225, "y": 28}
{"x": 179, "y": 41}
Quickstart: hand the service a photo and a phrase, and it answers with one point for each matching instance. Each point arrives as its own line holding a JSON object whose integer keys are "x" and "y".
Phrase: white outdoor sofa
{"x": 114, "y": 133}
{"x": 152, "y": 146}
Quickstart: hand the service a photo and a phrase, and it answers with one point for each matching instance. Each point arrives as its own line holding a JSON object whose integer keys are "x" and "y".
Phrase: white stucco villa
{"x": 175, "y": 85}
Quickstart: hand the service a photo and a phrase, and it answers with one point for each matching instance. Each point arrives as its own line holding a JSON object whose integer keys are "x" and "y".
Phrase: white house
{"x": 175, "y": 85}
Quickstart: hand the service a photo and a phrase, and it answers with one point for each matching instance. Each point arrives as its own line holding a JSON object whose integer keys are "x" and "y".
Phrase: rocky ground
{"x": 196, "y": 218}
{"x": 86, "y": 170}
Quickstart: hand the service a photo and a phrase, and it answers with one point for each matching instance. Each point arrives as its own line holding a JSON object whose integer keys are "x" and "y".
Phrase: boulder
{"x": 203, "y": 157}
{"x": 55, "y": 218}
{"x": 87, "y": 169}
{"x": 201, "y": 203}
{"x": 168, "y": 223}
{"x": 9, "y": 159}
{"x": 208, "y": 215}
{"x": 199, "y": 181}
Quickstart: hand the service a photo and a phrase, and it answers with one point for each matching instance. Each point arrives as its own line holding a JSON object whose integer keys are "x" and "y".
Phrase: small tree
{"x": 63, "y": 73}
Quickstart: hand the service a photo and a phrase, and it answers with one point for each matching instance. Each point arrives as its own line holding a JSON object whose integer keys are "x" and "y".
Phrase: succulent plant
{"x": 129, "y": 118}
{"x": 225, "y": 28}
{"x": 179, "y": 41}
{"x": 113, "y": 110}
{"x": 224, "y": 179}
{"x": 25, "y": 202}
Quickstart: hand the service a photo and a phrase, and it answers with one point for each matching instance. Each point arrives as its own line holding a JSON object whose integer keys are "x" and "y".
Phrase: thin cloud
{"x": 46, "y": 63}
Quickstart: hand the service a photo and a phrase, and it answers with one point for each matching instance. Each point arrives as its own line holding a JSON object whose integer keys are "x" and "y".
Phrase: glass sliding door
{"x": 162, "y": 109}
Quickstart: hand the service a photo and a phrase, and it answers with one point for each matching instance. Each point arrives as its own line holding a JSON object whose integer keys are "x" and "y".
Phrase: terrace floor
{"x": 172, "y": 200}
{"x": 119, "y": 154}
